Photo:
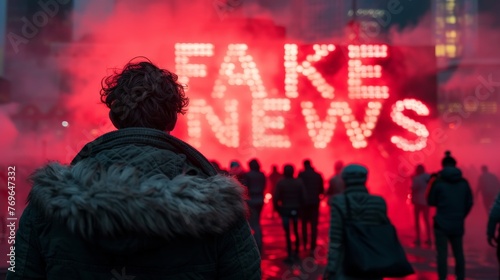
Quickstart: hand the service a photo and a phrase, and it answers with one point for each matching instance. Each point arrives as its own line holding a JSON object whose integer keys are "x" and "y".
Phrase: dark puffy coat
{"x": 313, "y": 182}
{"x": 288, "y": 195}
{"x": 451, "y": 194}
{"x": 135, "y": 203}
{"x": 255, "y": 181}
{"x": 366, "y": 208}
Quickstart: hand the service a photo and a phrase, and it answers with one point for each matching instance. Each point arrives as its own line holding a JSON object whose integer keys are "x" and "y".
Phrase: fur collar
{"x": 92, "y": 198}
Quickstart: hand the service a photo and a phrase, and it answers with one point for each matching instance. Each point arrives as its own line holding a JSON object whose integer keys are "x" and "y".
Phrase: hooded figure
{"x": 448, "y": 160}
{"x": 364, "y": 207}
{"x": 136, "y": 202}
{"x": 451, "y": 194}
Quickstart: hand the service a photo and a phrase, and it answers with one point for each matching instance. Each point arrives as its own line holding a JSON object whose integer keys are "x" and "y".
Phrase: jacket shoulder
{"x": 366, "y": 198}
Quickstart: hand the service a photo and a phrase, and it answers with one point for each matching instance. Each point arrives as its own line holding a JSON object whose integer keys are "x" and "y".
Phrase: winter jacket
{"x": 313, "y": 182}
{"x": 288, "y": 195}
{"x": 419, "y": 189}
{"x": 255, "y": 181}
{"x": 135, "y": 203}
{"x": 494, "y": 218}
{"x": 366, "y": 208}
{"x": 451, "y": 194}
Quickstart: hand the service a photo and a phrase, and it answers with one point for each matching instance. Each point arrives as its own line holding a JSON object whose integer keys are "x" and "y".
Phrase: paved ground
{"x": 481, "y": 261}
{"x": 480, "y": 258}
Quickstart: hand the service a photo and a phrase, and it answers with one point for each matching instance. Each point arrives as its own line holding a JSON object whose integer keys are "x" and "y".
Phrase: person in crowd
{"x": 364, "y": 208}
{"x": 452, "y": 196}
{"x": 236, "y": 170}
{"x": 136, "y": 202}
{"x": 287, "y": 199}
{"x": 255, "y": 181}
{"x": 493, "y": 222}
{"x": 419, "y": 201}
{"x": 488, "y": 186}
{"x": 314, "y": 189}
{"x": 272, "y": 180}
{"x": 336, "y": 184}
{"x": 448, "y": 160}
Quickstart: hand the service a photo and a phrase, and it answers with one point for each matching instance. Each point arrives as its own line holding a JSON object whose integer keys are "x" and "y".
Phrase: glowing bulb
{"x": 292, "y": 67}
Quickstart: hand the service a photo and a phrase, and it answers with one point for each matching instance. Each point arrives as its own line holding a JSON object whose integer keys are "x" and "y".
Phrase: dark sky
{"x": 412, "y": 12}
{"x": 490, "y": 7}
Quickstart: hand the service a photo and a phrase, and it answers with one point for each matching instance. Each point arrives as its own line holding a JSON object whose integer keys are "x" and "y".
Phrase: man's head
{"x": 274, "y": 167}
{"x": 234, "y": 164}
{"x": 307, "y": 163}
{"x": 254, "y": 165}
{"x": 143, "y": 95}
{"x": 448, "y": 160}
{"x": 354, "y": 175}
{"x": 420, "y": 169}
{"x": 484, "y": 169}
{"x": 288, "y": 170}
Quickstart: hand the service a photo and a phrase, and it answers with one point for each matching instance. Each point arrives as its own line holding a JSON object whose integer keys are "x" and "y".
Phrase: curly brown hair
{"x": 143, "y": 95}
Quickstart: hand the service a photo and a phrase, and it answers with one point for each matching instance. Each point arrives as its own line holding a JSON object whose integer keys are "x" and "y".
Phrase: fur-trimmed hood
{"x": 141, "y": 192}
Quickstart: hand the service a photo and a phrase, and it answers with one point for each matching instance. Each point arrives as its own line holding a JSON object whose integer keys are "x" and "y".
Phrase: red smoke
{"x": 135, "y": 28}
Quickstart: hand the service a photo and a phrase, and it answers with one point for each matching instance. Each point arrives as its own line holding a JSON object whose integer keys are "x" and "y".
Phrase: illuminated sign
{"x": 364, "y": 83}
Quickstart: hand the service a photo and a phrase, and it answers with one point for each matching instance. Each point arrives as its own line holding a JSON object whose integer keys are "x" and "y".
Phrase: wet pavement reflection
{"x": 481, "y": 263}
{"x": 480, "y": 258}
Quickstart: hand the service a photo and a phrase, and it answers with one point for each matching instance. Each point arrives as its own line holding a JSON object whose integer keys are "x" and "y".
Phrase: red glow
{"x": 243, "y": 97}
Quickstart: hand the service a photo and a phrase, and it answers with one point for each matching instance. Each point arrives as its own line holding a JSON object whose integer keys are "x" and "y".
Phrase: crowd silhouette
{"x": 297, "y": 194}
{"x": 140, "y": 198}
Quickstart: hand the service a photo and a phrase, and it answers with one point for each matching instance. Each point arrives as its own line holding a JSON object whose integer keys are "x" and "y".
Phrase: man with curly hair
{"x": 136, "y": 203}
